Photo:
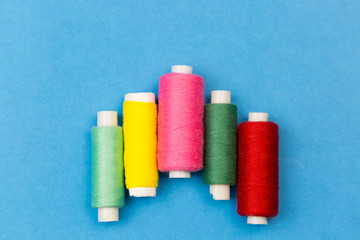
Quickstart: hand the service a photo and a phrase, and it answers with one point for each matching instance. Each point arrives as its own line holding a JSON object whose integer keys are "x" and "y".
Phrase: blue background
{"x": 62, "y": 61}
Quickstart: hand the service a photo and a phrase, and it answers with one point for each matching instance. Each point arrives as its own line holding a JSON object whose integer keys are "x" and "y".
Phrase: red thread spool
{"x": 258, "y": 169}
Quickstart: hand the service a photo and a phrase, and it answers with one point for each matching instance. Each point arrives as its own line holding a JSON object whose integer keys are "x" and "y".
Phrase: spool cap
{"x": 108, "y": 214}
{"x": 141, "y": 97}
{"x": 142, "y": 192}
{"x": 220, "y": 191}
{"x": 257, "y": 220}
{"x": 179, "y": 174}
{"x": 257, "y": 117}
{"x": 107, "y": 118}
{"x": 220, "y": 96}
{"x": 181, "y": 69}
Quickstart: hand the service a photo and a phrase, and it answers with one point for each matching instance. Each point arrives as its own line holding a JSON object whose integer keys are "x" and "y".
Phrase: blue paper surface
{"x": 62, "y": 61}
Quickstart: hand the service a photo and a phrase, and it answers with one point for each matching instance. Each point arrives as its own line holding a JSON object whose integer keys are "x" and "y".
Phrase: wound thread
{"x": 180, "y": 122}
{"x": 258, "y": 169}
{"x": 220, "y": 150}
{"x": 107, "y": 167}
{"x": 140, "y": 122}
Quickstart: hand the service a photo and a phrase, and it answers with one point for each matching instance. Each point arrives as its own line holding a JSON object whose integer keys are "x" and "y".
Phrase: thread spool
{"x": 140, "y": 116}
{"x": 180, "y": 122}
{"x": 220, "y": 144}
{"x": 107, "y": 167}
{"x": 258, "y": 169}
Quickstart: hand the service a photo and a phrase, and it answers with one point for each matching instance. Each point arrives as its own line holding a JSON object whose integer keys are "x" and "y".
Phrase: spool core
{"x": 220, "y": 191}
{"x": 186, "y": 70}
{"x": 179, "y": 174}
{"x": 220, "y": 96}
{"x": 181, "y": 69}
{"x": 107, "y": 118}
{"x": 108, "y": 214}
{"x": 141, "y": 97}
{"x": 257, "y": 117}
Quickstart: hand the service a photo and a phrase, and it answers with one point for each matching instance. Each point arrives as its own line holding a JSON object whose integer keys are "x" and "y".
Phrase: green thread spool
{"x": 220, "y": 150}
{"x": 108, "y": 190}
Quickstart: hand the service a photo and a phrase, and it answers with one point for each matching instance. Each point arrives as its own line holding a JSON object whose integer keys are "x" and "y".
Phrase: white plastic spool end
{"x": 179, "y": 174}
{"x": 140, "y": 97}
{"x": 107, "y": 118}
{"x": 220, "y": 191}
{"x": 142, "y": 192}
{"x": 255, "y": 220}
{"x": 258, "y": 117}
{"x": 181, "y": 69}
{"x": 108, "y": 214}
{"x": 220, "y": 96}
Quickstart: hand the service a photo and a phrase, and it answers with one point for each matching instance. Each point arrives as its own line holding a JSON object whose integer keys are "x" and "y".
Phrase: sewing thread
{"x": 220, "y": 150}
{"x": 258, "y": 169}
{"x": 107, "y": 167}
{"x": 180, "y": 122}
{"x": 140, "y": 123}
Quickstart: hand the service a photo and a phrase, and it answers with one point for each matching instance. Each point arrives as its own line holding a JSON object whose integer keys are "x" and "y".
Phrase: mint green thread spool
{"x": 220, "y": 150}
{"x": 108, "y": 190}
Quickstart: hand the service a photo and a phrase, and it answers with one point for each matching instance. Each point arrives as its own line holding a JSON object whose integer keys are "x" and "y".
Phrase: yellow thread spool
{"x": 140, "y": 141}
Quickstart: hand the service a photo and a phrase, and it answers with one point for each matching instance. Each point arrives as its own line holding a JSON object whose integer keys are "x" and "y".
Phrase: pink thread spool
{"x": 180, "y": 122}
